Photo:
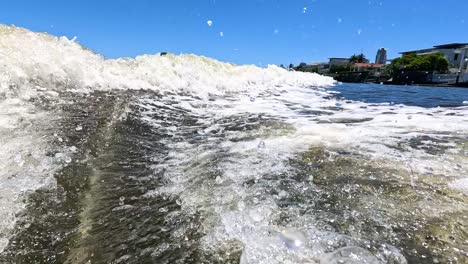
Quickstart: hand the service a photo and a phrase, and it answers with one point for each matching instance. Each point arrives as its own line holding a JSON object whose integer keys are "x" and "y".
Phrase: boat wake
{"x": 184, "y": 159}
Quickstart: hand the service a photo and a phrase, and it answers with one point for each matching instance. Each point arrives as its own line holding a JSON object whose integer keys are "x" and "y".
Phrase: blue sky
{"x": 254, "y": 31}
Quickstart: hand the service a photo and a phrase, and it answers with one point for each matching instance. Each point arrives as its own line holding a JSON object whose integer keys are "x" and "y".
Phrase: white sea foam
{"x": 24, "y": 164}
{"x": 34, "y": 60}
{"x": 38, "y": 63}
{"x": 244, "y": 213}
{"x": 461, "y": 184}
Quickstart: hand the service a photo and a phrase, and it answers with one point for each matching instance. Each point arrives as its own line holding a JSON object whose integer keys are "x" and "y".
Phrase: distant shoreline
{"x": 464, "y": 86}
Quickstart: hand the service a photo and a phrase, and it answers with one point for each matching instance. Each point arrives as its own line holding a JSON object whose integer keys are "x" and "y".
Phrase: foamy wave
{"x": 239, "y": 172}
{"x": 38, "y": 60}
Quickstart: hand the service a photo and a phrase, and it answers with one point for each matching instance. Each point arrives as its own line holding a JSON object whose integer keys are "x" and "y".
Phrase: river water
{"x": 422, "y": 96}
{"x": 182, "y": 159}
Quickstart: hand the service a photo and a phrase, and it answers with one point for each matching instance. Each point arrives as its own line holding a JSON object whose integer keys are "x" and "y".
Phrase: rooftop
{"x": 452, "y": 46}
{"x": 368, "y": 65}
{"x": 445, "y": 46}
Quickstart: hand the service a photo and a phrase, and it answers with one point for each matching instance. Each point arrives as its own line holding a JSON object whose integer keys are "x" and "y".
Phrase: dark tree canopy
{"x": 412, "y": 62}
{"x": 303, "y": 67}
{"x": 359, "y": 58}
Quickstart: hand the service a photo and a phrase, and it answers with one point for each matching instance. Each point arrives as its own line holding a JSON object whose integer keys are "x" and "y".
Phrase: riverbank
{"x": 410, "y": 78}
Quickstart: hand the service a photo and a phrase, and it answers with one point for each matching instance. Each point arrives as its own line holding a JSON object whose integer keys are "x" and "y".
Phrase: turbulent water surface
{"x": 183, "y": 159}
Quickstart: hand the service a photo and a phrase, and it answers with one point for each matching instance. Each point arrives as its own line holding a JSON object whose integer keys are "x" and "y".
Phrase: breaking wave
{"x": 32, "y": 61}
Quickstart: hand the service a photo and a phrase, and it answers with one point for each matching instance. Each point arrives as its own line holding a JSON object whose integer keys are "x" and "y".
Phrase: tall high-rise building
{"x": 381, "y": 57}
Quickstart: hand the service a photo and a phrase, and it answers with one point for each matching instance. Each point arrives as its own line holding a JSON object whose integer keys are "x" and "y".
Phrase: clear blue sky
{"x": 255, "y": 31}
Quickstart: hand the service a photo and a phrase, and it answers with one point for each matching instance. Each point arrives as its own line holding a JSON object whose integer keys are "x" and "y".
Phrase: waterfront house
{"x": 322, "y": 67}
{"x": 456, "y": 54}
{"x": 367, "y": 67}
{"x": 333, "y": 62}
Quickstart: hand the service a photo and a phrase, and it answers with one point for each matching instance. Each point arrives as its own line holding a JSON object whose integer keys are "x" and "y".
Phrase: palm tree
{"x": 360, "y": 58}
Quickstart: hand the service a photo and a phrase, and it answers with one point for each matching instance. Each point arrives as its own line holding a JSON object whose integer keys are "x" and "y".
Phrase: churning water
{"x": 183, "y": 159}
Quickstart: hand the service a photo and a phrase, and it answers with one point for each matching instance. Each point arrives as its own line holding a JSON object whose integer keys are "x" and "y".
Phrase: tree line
{"x": 408, "y": 62}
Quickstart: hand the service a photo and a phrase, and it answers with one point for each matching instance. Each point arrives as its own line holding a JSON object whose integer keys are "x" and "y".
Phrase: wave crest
{"x": 38, "y": 60}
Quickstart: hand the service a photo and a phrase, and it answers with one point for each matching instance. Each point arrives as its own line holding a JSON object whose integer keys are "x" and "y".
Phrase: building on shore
{"x": 370, "y": 67}
{"x": 456, "y": 54}
{"x": 321, "y": 67}
{"x": 381, "y": 57}
{"x": 333, "y": 62}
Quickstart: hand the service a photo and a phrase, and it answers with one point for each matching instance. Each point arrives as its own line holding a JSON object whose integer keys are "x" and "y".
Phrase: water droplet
{"x": 292, "y": 239}
{"x": 79, "y": 128}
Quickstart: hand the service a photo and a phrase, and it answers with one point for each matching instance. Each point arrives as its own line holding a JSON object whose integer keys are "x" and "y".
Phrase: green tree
{"x": 359, "y": 58}
{"x": 412, "y": 62}
{"x": 303, "y": 67}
